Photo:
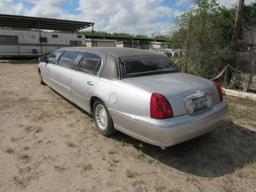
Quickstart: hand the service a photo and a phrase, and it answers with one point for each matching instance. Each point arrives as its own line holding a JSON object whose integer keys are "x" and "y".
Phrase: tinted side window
{"x": 53, "y": 57}
{"x": 68, "y": 58}
{"x": 90, "y": 63}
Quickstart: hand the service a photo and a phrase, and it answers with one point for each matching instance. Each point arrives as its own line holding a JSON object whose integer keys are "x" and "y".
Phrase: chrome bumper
{"x": 165, "y": 133}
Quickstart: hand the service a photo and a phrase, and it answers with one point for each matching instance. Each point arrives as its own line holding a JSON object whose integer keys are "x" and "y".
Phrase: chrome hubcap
{"x": 101, "y": 117}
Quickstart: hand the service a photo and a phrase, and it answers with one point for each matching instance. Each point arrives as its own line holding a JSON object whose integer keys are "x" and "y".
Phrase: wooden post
{"x": 235, "y": 38}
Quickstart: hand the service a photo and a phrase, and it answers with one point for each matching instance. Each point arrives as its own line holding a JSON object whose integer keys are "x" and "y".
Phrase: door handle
{"x": 90, "y": 83}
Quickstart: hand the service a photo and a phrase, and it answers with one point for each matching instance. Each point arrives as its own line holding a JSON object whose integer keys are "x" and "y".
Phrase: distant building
{"x": 33, "y": 36}
{"x": 100, "y": 43}
{"x": 158, "y": 45}
{"x": 129, "y": 43}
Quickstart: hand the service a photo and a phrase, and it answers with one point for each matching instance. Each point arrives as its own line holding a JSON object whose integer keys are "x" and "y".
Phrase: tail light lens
{"x": 218, "y": 87}
{"x": 160, "y": 107}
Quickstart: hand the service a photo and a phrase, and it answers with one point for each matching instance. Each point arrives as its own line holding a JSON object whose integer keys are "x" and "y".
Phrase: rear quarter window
{"x": 90, "y": 63}
{"x": 68, "y": 58}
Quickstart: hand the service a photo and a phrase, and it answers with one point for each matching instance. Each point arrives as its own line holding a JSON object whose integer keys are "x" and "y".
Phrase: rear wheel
{"x": 102, "y": 119}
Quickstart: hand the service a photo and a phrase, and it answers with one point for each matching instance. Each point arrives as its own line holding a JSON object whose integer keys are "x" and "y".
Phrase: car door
{"x": 85, "y": 79}
{"x": 46, "y": 70}
{"x": 62, "y": 73}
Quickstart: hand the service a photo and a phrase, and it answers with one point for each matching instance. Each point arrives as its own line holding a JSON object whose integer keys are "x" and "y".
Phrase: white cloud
{"x": 231, "y": 3}
{"x": 48, "y": 8}
{"x": 181, "y": 2}
{"x": 137, "y": 17}
{"x": 8, "y": 7}
{"x": 228, "y": 3}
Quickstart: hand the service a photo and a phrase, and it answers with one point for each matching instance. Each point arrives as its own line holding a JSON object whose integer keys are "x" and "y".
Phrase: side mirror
{"x": 43, "y": 59}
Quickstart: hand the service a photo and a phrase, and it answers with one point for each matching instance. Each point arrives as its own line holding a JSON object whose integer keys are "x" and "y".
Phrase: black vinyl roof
{"x": 25, "y": 22}
{"x": 115, "y": 51}
{"x": 111, "y": 69}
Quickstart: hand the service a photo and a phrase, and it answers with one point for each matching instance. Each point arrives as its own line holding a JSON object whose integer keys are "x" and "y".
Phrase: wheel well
{"x": 93, "y": 99}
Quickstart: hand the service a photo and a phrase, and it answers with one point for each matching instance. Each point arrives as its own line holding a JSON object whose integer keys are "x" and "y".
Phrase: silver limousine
{"x": 140, "y": 93}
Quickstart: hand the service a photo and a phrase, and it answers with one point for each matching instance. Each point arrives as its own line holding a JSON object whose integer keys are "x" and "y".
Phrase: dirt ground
{"x": 47, "y": 144}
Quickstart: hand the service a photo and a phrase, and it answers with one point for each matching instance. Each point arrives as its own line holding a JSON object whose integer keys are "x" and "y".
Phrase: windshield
{"x": 148, "y": 66}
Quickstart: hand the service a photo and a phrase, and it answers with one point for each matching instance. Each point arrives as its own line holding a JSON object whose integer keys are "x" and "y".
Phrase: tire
{"x": 41, "y": 78}
{"x": 102, "y": 118}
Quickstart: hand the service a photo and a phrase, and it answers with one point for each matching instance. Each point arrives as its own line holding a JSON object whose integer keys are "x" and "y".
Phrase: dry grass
{"x": 10, "y": 150}
{"x": 60, "y": 168}
{"x": 70, "y": 143}
{"x": 23, "y": 177}
{"x": 245, "y": 115}
{"x": 130, "y": 173}
{"x": 14, "y": 139}
{"x": 111, "y": 152}
{"x": 20, "y": 181}
{"x": 28, "y": 128}
{"x": 161, "y": 189}
{"x": 87, "y": 167}
{"x": 24, "y": 157}
{"x": 241, "y": 101}
{"x": 22, "y": 100}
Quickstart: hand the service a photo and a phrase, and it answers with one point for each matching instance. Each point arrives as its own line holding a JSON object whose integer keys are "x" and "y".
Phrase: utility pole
{"x": 188, "y": 45}
{"x": 237, "y": 25}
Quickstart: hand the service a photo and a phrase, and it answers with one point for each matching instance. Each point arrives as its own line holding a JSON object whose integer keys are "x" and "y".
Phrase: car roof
{"x": 115, "y": 51}
{"x": 112, "y": 71}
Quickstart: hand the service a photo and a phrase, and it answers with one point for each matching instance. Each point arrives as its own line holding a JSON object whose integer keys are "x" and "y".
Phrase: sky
{"x": 145, "y": 17}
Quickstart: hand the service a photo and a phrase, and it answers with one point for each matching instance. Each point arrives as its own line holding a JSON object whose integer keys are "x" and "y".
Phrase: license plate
{"x": 199, "y": 103}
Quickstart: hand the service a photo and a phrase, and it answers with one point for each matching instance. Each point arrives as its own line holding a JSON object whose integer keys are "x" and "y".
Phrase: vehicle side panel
{"x": 82, "y": 85}
{"x": 124, "y": 99}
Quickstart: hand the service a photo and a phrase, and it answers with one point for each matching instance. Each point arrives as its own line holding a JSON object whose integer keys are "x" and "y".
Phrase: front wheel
{"x": 103, "y": 119}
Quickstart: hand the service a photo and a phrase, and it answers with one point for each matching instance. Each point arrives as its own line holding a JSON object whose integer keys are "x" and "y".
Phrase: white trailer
{"x": 33, "y": 43}
{"x": 35, "y": 36}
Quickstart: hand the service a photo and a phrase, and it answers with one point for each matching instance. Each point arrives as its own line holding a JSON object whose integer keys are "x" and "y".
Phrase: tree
{"x": 205, "y": 35}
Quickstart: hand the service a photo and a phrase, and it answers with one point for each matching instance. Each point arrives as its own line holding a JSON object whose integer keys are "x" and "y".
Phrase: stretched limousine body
{"x": 140, "y": 93}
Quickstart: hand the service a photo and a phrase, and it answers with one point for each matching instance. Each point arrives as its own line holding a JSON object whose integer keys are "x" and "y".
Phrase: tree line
{"x": 207, "y": 36}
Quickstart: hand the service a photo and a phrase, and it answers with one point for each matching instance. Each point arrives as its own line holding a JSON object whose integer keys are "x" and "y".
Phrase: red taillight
{"x": 218, "y": 87}
{"x": 160, "y": 107}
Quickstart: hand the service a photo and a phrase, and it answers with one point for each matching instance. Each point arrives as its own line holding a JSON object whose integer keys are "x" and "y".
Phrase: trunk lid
{"x": 175, "y": 87}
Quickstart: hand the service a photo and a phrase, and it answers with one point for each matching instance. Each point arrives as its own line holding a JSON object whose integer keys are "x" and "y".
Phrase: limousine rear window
{"x": 147, "y": 66}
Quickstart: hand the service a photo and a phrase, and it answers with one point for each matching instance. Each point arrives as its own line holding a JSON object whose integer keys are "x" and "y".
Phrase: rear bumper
{"x": 165, "y": 133}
